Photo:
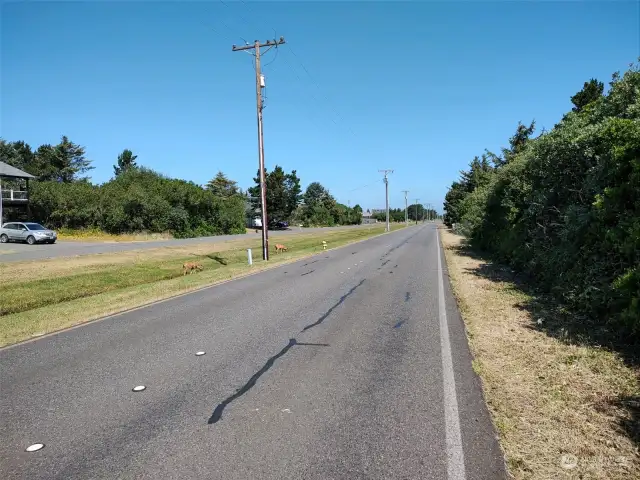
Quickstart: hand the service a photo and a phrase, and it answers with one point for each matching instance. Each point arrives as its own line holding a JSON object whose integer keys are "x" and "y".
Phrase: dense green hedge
{"x": 566, "y": 208}
{"x": 138, "y": 200}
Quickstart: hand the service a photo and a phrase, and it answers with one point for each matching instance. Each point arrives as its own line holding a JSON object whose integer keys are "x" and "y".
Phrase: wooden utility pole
{"x": 259, "y": 86}
{"x": 386, "y": 185}
{"x": 406, "y": 208}
{"x": 417, "y": 200}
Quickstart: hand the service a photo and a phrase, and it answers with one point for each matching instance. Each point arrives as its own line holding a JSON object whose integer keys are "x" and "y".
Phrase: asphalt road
{"x": 350, "y": 365}
{"x": 12, "y": 252}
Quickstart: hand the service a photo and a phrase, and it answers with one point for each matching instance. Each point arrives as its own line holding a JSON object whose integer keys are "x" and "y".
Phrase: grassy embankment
{"x": 564, "y": 408}
{"x": 39, "y": 297}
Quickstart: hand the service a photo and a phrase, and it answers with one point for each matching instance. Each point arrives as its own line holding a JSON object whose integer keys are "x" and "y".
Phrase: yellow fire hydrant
{"x": 324, "y": 245}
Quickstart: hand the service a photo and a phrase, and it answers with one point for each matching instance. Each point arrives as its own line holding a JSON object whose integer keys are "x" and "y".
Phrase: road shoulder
{"x": 483, "y": 457}
{"x": 562, "y": 409}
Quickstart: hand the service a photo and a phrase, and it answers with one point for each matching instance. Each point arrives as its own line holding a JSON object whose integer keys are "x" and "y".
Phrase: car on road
{"x": 29, "y": 232}
{"x": 281, "y": 226}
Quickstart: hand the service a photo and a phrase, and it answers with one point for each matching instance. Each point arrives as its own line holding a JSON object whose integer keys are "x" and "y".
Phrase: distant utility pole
{"x": 417, "y": 200}
{"x": 406, "y": 208}
{"x": 259, "y": 86}
{"x": 386, "y": 187}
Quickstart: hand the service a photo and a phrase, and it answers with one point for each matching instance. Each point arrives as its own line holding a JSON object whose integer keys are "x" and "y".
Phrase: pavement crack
{"x": 216, "y": 416}
{"x": 328, "y": 312}
{"x": 307, "y": 273}
{"x": 405, "y": 241}
{"x": 217, "y": 413}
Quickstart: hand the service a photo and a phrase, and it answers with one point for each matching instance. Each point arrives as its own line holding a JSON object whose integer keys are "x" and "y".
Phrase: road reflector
{"x": 199, "y": 354}
{"x": 139, "y": 388}
{"x": 35, "y": 447}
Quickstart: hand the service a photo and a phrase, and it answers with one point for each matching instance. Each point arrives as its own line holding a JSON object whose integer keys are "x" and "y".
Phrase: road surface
{"x": 12, "y": 252}
{"x": 334, "y": 367}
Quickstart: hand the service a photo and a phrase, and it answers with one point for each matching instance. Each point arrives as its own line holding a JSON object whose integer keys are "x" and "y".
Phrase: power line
{"x": 244, "y": 19}
{"x": 318, "y": 87}
{"x": 363, "y": 186}
{"x": 218, "y": 17}
{"x": 313, "y": 119}
{"x": 291, "y": 67}
{"x": 335, "y": 112}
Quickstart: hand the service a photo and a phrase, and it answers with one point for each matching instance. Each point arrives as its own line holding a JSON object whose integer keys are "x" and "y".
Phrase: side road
{"x": 11, "y": 252}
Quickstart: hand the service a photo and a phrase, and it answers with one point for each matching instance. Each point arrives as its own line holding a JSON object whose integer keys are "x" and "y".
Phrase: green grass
{"x": 32, "y": 306}
{"x": 20, "y": 297}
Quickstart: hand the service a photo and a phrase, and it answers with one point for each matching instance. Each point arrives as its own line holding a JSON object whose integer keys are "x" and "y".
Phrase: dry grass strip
{"x": 563, "y": 410}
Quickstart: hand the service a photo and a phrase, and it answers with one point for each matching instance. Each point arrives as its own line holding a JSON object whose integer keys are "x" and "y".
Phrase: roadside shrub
{"x": 565, "y": 209}
{"x": 138, "y": 200}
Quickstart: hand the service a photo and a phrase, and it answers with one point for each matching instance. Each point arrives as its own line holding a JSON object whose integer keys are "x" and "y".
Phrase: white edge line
{"x": 195, "y": 290}
{"x": 455, "y": 454}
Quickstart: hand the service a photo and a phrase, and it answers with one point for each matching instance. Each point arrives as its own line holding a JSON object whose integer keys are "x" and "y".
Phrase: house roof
{"x": 7, "y": 170}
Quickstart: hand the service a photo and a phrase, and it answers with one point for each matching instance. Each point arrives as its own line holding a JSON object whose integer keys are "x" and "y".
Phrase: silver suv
{"x": 26, "y": 232}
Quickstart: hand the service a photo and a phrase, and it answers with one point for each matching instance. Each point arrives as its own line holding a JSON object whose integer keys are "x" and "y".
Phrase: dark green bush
{"x": 566, "y": 208}
{"x": 138, "y": 200}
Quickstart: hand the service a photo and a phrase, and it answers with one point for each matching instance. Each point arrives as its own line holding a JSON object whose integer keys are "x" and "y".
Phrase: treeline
{"x": 286, "y": 202}
{"x": 135, "y": 199}
{"x": 138, "y": 199}
{"x": 414, "y": 212}
{"x": 564, "y": 207}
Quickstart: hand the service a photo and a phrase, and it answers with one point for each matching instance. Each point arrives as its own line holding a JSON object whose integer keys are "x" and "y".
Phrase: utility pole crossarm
{"x": 268, "y": 43}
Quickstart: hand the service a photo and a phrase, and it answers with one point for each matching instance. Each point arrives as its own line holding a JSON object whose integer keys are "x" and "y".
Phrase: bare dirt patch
{"x": 563, "y": 408}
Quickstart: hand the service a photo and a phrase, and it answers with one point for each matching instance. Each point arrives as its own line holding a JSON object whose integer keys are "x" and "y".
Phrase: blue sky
{"x": 419, "y": 87}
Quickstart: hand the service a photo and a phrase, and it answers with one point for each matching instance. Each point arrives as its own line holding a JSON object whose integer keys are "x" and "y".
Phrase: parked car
{"x": 26, "y": 232}
{"x": 281, "y": 226}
